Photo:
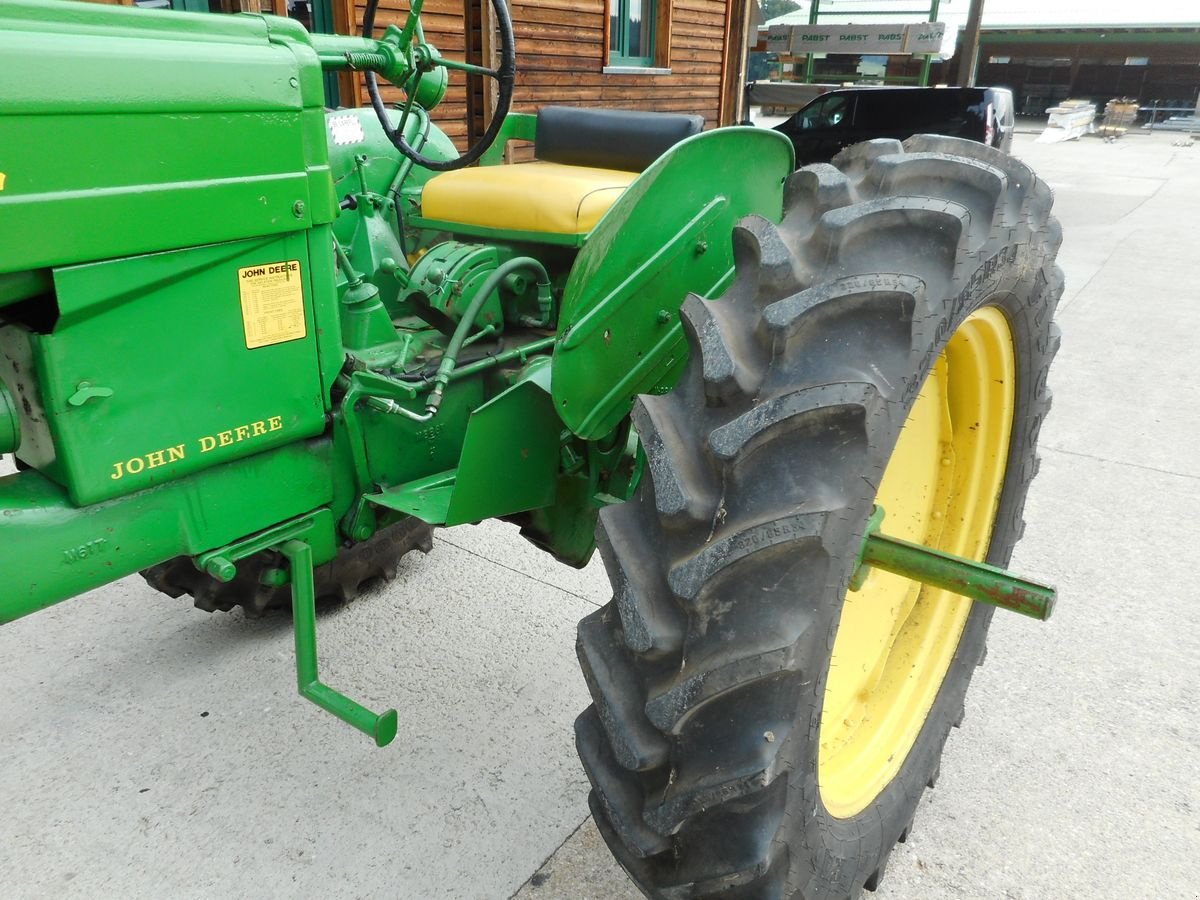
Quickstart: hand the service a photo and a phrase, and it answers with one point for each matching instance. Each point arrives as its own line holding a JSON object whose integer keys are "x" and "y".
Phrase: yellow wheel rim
{"x": 896, "y": 638}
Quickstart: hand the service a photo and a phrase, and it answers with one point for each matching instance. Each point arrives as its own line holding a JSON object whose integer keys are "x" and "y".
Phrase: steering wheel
{"x": 427, "y": 59}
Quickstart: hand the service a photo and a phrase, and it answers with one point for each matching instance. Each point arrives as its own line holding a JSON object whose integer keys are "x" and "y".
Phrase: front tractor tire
{"x": 759, "y": 729}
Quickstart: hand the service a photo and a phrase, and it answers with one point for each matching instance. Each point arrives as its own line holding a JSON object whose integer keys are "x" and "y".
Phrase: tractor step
{"x": 427, "y": 499}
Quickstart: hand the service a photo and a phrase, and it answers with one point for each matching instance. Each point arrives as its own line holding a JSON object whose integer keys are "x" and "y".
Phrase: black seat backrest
{"x": 609, "y": 138}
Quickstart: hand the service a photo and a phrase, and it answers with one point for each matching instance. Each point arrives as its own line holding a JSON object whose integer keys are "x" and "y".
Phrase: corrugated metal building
{"x": 1044, "y": 65}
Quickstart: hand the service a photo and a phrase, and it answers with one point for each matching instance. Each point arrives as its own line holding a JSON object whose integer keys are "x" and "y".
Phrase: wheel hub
{"x": 897, "y": 638}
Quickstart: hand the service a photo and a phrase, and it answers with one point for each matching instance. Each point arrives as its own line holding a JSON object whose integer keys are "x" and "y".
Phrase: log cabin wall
{"x": 561, "y": 46}
{"x": 562, "y": 50}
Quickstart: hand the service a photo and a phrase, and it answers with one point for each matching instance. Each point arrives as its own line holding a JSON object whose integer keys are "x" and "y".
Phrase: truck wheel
{"x": 758, "y": 728}
{"x": 340, "y": 579}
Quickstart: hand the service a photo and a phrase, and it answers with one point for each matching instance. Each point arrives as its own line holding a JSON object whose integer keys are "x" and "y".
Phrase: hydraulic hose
{"x": 406, "y": 166}
{"x": 450, "y": 355}
{"x": 368, "y": 24}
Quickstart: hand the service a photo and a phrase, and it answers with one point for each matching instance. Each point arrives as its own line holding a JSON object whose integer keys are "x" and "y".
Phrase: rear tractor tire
{"x": 341, "y": 579}
{"x": 759, "y": 729}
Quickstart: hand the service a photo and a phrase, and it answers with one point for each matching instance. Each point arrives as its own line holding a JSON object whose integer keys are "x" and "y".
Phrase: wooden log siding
{"x": 561, "y": 46}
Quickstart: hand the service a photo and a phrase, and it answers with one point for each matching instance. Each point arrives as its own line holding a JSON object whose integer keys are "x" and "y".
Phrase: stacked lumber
{"x": 1119, "y": 116}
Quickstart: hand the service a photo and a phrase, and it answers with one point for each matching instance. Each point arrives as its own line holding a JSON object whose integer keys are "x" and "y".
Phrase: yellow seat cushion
{"x": 538, "y": 196}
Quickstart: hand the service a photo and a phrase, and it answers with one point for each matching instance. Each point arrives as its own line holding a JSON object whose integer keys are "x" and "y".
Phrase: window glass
{"x": 301, "y": 10}
{"x": 831, "y": 111}
{"x": 631, "y": 32}
{"x": 639, "y": 29}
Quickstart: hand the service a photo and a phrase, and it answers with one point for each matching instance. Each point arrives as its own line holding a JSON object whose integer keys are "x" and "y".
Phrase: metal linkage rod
{"x": 304, "y": 617}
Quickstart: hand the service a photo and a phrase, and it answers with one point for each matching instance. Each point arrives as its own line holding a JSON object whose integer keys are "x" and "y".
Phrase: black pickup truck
{"x": 839, "y": 118}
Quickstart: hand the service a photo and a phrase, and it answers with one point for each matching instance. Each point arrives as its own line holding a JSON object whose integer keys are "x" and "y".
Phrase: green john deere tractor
{"x": 255, "y": 349}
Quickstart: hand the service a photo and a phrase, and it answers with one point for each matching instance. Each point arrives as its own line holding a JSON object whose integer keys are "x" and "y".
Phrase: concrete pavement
{"x": 155, "y": 751}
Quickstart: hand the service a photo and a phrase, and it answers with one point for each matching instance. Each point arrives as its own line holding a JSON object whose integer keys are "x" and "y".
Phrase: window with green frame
{"x": 631, "y": 32}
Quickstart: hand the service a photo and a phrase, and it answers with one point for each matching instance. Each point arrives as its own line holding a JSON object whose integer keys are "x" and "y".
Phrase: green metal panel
{"x": 10, "y": 421}
{"x": 1093, "y": 35}
{"x": 515, "y": 433}
{"x": 668, "y": 235}
{"x": 400, "y": 450}
{"x": 810, "y": 61}
{"x": 510, "y": 454}
{"x": 356, "y": 133}
{"x": 516, "y": 127}
{"x": 50, "y": 550}
{"x": 428, "y": 499}
{"x": 324, "y": 305}
{"x": 147, "y": 374}
{"x": 127, "y": 131}
{"x": 927, "y": 62}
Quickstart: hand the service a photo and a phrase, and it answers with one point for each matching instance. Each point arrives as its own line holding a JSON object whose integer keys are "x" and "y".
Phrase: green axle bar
{"x": 976, "y": 580}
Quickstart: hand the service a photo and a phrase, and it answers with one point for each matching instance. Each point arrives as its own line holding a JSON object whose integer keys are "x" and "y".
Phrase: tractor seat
{"x": 538, "y": 196}
{"x": 584, "y": 160}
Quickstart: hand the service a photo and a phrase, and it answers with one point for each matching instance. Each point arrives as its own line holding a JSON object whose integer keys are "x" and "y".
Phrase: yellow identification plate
{"x": 272, "y": 303}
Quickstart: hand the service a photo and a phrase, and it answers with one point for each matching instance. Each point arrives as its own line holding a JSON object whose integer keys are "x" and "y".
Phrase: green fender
{"x": 668, "y": 235}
